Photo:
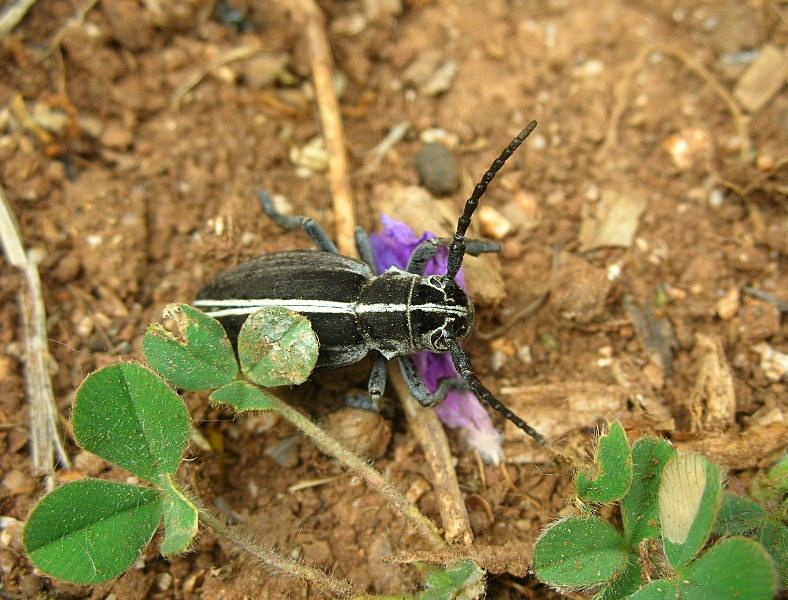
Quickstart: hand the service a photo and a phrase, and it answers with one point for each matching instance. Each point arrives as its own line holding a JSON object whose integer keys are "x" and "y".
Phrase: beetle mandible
{"x": 356, "y": 311}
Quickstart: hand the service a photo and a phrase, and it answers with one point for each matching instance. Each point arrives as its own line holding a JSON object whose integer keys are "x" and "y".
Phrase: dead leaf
{"x": 713, "y": 401}
{"x": 755, "y": 447}
{"x": 558, "y": 409}
{"x": 578, "y": 289}
{"x": 612, "y": 222}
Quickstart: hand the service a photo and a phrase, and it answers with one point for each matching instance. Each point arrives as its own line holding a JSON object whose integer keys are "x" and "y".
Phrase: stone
{"x": 728, "y": 305}
{"x": 437, "y": 169}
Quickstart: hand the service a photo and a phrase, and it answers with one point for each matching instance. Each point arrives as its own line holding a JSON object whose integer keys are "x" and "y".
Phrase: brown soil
{"x": 138, "y": 200}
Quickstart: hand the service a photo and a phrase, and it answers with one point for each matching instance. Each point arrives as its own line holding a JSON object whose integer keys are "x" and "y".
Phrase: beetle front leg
{"x": 377, "y": 379}
{"x": 311, "y": 227}
{"x": 427, "y": 249}
{"x": 419, "y": 389}
{"x": 376, "y": 387}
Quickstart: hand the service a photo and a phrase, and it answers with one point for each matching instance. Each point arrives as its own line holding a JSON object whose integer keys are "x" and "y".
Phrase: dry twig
{"x": 321, "y": 64}
{"x": 429, "y": 431}
{"x": 44, "y": 435}
{"x": 13, "y": 14}
{"x": 239, "y": 53}
{"x": 75, "y": 21}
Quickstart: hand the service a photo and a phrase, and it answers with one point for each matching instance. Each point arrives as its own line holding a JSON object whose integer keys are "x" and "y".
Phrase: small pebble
{"x": 773, "y": 362}
{"x": 417, "y": 489}
{"x": 728, "y": 305}
{"x": 262, "y": 71}
{"x": 441, "y": 80}
{"x": 497, "y": 360}
{"x": 163, "y": 581}
{"x": 18, "y": 483}
{"x": 493, "y": 223}
{"x": 117, "y": 136}
{"x": 440, "y": 136}
{"x": 716, "y": 197}
{"x": 764, "y": 162}
{"x": 688, "y": 147}
{"x": 85, "y": 326}
{"x": 524, "y": 354}
{"x": 310, "y": 158}
{"x": 437, "y": 169}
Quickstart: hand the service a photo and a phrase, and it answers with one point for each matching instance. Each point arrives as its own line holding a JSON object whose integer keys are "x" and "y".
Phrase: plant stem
{"x": 374, "y": 478}
{"x": 321, "y": 580}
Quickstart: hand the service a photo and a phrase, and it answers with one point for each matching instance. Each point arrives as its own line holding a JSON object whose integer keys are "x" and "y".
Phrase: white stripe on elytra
{"x": 245, "y": 307}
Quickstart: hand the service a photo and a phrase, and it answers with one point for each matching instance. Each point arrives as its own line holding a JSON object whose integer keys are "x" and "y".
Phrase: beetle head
{"x": 440, "y": 309}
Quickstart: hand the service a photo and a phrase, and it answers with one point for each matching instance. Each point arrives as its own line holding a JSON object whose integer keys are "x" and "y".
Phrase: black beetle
{"x": 355, "y": 310}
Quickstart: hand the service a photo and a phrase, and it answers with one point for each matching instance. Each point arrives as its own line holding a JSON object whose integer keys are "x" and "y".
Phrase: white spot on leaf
{"x": 680, "y": 495}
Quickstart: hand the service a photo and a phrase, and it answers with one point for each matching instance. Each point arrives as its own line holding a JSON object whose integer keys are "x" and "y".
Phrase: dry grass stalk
{"x": 44, "y": 435}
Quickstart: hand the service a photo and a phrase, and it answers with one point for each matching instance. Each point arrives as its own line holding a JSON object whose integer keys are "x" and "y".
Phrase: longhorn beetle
{"x": 356, "y": 311}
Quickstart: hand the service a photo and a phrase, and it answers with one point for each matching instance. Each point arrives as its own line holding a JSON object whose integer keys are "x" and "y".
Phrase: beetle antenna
{"x": 457, "y": 249}
{"x": 463, "y": 365}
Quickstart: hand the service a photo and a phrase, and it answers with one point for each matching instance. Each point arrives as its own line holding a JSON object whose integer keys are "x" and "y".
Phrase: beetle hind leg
{"x": 311, "y": 227}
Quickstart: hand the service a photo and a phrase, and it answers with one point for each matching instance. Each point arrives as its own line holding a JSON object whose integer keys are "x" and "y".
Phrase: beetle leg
{"x": 364, "y": 247}
{"x": 377, "y": 378}
{"x": 427, "y": 249}
{"x": 419, "y": 389}
{"x": 376, "y": 386}
{"x": 311, "y": 227}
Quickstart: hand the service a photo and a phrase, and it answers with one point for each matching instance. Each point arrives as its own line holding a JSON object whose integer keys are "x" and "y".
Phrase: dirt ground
{"x": 650, "y": 201}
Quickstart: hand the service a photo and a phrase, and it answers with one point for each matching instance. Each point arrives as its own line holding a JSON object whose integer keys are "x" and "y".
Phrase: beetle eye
{"x": 437, "y": 281}
{"x": 437, "y": 339}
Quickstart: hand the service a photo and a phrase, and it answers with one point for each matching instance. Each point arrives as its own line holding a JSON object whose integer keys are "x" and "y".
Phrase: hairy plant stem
{"x": 374, "y": 478}
{"x": 321, "y": 580}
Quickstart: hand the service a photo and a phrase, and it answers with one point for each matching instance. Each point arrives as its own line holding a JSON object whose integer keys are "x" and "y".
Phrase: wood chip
{"x": 762, "y": 79}
{"x": 612, "y": 222}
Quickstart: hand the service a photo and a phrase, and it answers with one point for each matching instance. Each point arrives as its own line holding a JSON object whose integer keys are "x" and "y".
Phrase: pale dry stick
{"x": 756, "y": 182}
{"x": 13, "y": 15}
{"x": 322, "y": 66}
{"x": 431, "y": 435}
{"x": 75, "y": 21}
{"x": 623, "y": 90}
{"x": 374, "y": 478}
{"x": 235, "y": 54}
{"x": 44, "y": 434}
{"x": 379, "y": 152}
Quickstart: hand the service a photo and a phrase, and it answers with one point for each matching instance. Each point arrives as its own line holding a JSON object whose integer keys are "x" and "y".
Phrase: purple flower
{"x": 460, "y": 409}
